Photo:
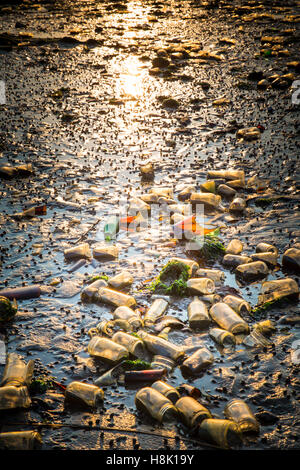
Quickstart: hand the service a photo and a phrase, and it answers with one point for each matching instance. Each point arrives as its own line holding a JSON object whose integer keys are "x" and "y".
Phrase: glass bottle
{"x": 14, "y": 397}
{"x": 106, "y": 350}
{"x": 215, "y": 274}
{"x": 189, "y": 390}
{"x": 115, "y": 298}
{"x": 233, "y": 261}
{"x": 155, "y": 311}
{"x": 147, "y": 375}
{"x": 201, "y": 359}
{"x": 238, "y": 411}
{"x": 17, "y": 372}
{"x": 89, "y": 293}
{"x": 84, "y": 394}
{"x": 20, "y": 440}
{"x": 222, "y": 337}
{"x": 155, "y": 404}
{"x": 202, "y": 286}
{"x": 134, "y": 345}
{"x": 228, "y": 319}
{"x": 235, "y": 247}
{"x": 237, "y": 304}
{"x": 191, "y": 412}
{"x": 161, "y": 362}
{"x": 223, "y": 432}
{"x": 167, "y": 390}
{"x": 208, "y": 199}
{"x": 126, "y": 313}
{"x": 79, "y": 251}
{"x": 198, "y": 314}
{"x": 160, "y": 346}
{"x": 265, "y": 247}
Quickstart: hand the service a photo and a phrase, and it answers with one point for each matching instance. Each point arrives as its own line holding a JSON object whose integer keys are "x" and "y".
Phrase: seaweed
{"x": 210, "y": 247}
{"x": 40, "y": 384}
{"x": 97, "y": 277}
{"x": 138, "y": 364}
{"x": 172, "y": 279}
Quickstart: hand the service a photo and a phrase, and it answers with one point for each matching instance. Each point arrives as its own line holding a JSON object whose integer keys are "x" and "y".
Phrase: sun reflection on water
{"x": 130, "y": 82}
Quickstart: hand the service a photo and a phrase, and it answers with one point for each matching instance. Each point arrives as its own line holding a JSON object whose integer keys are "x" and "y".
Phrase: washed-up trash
{"x": 147, "y": 171}
{"x": 252, "y": 271}
{"x": 227, "y": 174}
{"x": 209, "y": 200}
{"x": 167, "y": 390}
{"x": 132, "y": 317}
{"x": 115, "y": 298}
{"x": 222, "y": 337}
{"x": 90, "y": 292}
{"x": 211, "y": 298}
{"x": 110, "y": 327}
{"x": 235, "y": 247}
{"x": 172, "y": 279}
{"x": 197, "y": 362}
{"x": 249, "y": 134}
{"x": 133, "y": 345}
{"x": 82, "y": 394}
{"x": 14, "y": 397}
{"x": 291, "y": 259}
{"x": 162, "y": 362}
{"x": 148, "y": 375}
{"x": 22, "y": 293}
{"x": 223, "y": 432}
{"x": 121, "y": 281}
{"x": 32, "y": 212}
{"x": 105, "y": 252}
{"x": 8, "y": 309}
{"x": 256, "y": 338}
{"x": 156, "y": 310}
{"x": 20, "y": 440}
{"x": 239, "y": 412}
{"x": 186, "y": 193}
{"x": 266, "y": 247}
{"x": 266, "y": 327}
{"x": 201, "y": 286}
{"x": 226, "y": 191}
{"x": 189, "y": 390}
{"x": 8, "y": 172}
{"x": 238, "y": 304}
{"x": 79, "y": 251}
{"x": 111, "y": 227}
{"x": 162, "y": 192}
{"x": 215, "y": 274}
{"x": 272, "y": 291}
{"x": 136, "y": 206}
{"x": 270, "y": 259}
{"x": 169, "y": 322}
{"x": 208, "y": 186}
{"x": 17, "y": 372}
{"x": 191, "y": 412}
{"x": 160, "y": 346}
{"x": 198, "y": 314}
{"x": 111, "y": 376}
{"x": 228, "y": 319}
{"x": 106, "y": 350}
{"x": 191, "y": 264}
{"x": 209, "y": 247}
{"x": 237, "y": 205}
{"x": 79, "y": 264}
{"x": 232, "y": 261}
{"x": 155, "y": 404}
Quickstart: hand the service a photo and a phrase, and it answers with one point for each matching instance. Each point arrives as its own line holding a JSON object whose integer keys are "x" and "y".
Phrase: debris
{"x": 239, "y": 412}
{"x": 228, "y": 319}
{"x": 198, "y": 314}
{"x": 106, "y": 350}
{"x": 82, "y": 394}
{"x": 200, "y": 360}
{"x": 155, "y": 404}
{"x": 191, "y": 412}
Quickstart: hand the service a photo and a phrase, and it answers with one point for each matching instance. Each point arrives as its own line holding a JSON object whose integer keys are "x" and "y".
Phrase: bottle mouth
{"x": 167, "y": 413}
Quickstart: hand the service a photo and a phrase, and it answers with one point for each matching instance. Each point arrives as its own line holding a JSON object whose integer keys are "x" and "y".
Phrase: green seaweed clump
{"x": 40, "y": 384}
{"x": 97, "y": 277}
{"x": 172, "y": 279}
{"x": 138, "y": 364}
{"x": 8, "y": 309}
{"x": 211, "y": 247}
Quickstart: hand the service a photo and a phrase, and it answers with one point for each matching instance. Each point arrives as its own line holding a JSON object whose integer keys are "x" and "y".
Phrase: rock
{"x": 291, "y": 259}
{"x": 252, "y": 271}
{"x": 238, "y": 205}
{"x": 235, "y": 247}
{"x": 248, "y": 134}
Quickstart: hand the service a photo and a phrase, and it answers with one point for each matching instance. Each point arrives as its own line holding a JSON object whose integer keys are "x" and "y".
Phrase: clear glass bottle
{"x": 156, "y": 310}
{"x": 14, "y": 397}
{"x": 228, "y": 319}
{"x": 215, "y": 274}
{"x": 237, "y": 304}
{"x": 160, "y": 346}
{"x": 115, "y": 298}
{"x": 134, "y": 345}
{"x": 191, "y": 412}
{"x": 89, "y": 293}
{"x": 227, "y": 174}
{"x": 161, "y": 362}
{"x": 106, "y": 350}
{"x": 20, "y": 440}
{"x": 208, "y": 199}
{"x": 238, "y": 411}
{"x": 126, "y": 313}
{"x": 198, "y": 314}
{"x": 232, "y": 261}
{"x": 201, "y": 359}
{"x": 167, "y": 390}
{"x": 189, "y": 390}
{"x": 155, "y": 404}
{"x": 83, "y": 394}
{"x": 265, "y": 247}
{"x": 222, "y": 337}
{"x": 201, "y": 285}
{"x": 223, "y": 432}
{"x": 277, "y": 289}
{"x": 79, "y": 251}
{"x": 17, "y": 372}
